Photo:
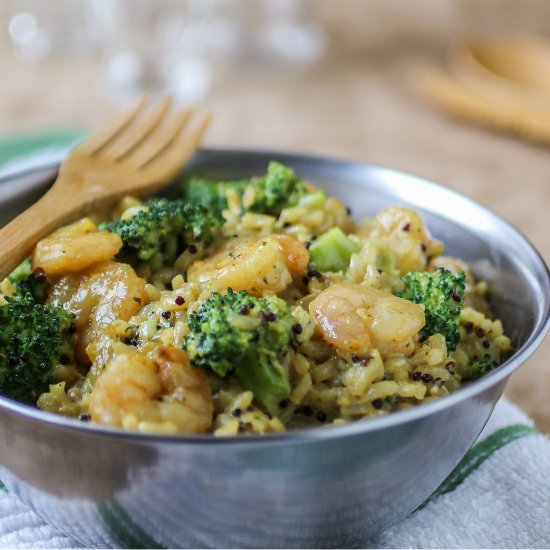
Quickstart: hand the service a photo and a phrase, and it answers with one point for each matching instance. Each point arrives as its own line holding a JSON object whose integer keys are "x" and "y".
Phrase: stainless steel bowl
{"x": 330, "y": 487}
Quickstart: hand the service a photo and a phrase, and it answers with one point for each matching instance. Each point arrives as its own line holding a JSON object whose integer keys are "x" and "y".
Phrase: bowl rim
{"x": 322, "y": 432}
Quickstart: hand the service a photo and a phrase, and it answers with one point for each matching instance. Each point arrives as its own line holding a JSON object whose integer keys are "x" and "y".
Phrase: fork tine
{"x": 171, "y": 159}
{"x": 137, "y": 131}
{"x": 107, "y": 133}
{"x": 160, "y": 139}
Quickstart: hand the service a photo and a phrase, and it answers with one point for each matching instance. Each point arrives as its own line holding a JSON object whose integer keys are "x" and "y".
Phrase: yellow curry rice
{"x": 356, "y": 350}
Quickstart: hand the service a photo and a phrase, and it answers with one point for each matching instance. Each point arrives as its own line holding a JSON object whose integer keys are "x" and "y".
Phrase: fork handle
{"x": 17, "y": 239}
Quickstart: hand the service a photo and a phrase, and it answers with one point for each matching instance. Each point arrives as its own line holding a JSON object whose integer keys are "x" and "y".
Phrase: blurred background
{"x": 332, "y": 77}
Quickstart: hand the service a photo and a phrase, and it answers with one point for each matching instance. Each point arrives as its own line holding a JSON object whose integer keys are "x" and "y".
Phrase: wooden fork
{"x": 138, "y": 153}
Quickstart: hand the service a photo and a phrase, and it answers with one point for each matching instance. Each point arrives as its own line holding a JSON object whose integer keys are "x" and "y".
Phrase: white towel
{"x": 498, "y": 497}
{"x": 501, "y": 498}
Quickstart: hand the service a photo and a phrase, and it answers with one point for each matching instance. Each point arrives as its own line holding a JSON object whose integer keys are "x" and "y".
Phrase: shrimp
{"x": 74, "y": 247}
{"x": 296, "y": 254}
{"x": 98, "y": 296}
{"x": 159, "y": 393}
{"x": 355, "y": 318}
{"x": 257, "y": 265}
{"x": 407, "y": 237}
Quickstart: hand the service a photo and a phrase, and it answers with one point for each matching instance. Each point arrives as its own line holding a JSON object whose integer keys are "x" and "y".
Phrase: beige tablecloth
{"x": 356, "y": 103}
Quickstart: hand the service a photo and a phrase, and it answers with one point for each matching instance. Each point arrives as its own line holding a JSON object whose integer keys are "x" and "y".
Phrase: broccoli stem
{"x": 268, "y": 381}
{"x": 314, "y": 201}
{"x": 21, "y": 272}
{"x": 332, "y": 251}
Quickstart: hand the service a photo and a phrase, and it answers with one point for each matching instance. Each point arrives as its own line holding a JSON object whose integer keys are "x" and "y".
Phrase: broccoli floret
{"x": 277, "y": 189}
{"x": 28, "y": 282}
{"x": 164, "y": 230}
{"x": 332, "y": 251}
{"x": 33, "y": 338}
{"x": 211, "y": 194}
{"x": 442, "y": 295}
{"x": 480, "y": 367}
{"x": 247, "y": 336}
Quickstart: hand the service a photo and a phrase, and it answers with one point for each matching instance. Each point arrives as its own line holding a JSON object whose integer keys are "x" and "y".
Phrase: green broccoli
{"x": 248, "y": 336}
{"x": 158, "y": 235}
{"x": 22, "y": 271}
{"x": 277, "y": 189}
{"x": 480, "y": 367}
{"x": 33, "y": 338}
{"x": 442, "y": 295}
{"x": 27, "y": 281}
{"x": 211, "y": 194}
{"x": 332, "y": 251}
{"x": 316, "y": 200}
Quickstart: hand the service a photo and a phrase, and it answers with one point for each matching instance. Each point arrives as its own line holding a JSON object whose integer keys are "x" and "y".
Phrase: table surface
{"x": 356, "y": 103}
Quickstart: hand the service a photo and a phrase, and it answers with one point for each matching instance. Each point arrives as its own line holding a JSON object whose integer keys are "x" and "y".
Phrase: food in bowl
{"x": 242, "y": 307}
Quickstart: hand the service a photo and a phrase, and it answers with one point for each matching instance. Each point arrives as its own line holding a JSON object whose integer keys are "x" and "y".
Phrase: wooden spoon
{"x": 139, "y": 152}
{"x": 512, "y": 71}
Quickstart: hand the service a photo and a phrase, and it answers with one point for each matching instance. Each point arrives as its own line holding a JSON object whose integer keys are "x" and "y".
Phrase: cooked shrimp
{"x": 74, "y": 247}
{"x": 296, "y": 254}
{"x": 84, "y": 226}
{"x": 407, "y": 237}
{"x": 356, "y": 318}
{"x": 98, "y": 296}
{"x": 160, "y": 393}
{"x": 256, "y": 265}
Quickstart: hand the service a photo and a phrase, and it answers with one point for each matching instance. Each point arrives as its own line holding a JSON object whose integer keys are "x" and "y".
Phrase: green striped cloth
{"x": 497, "y": 497}
{"x": 18, "y": 148}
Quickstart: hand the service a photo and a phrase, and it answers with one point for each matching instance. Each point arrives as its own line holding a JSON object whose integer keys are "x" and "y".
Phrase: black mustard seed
{"x": 39, "y": 274}
{"x": 321, "y": 416}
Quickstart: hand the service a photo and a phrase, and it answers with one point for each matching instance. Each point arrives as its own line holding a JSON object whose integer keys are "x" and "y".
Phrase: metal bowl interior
{"x": 321, "y": 487}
